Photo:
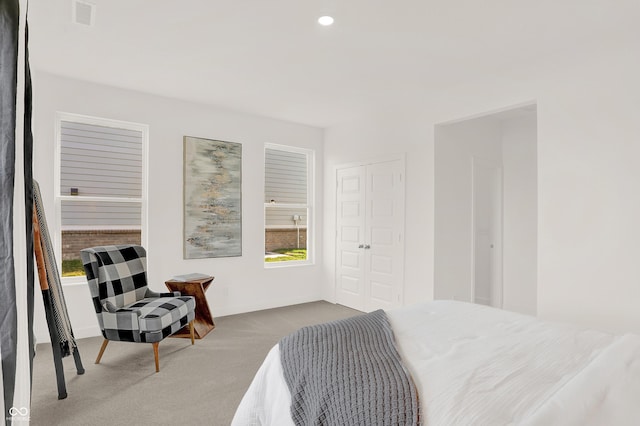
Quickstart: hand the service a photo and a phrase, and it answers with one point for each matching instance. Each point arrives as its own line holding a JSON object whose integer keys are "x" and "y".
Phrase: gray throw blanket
{"x": 348, "y": 372}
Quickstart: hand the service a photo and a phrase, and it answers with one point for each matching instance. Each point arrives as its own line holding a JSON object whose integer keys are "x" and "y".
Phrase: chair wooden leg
{"x": 192, "y": 331}
{"x": 155, "y": 354}
{"x": 104, "y": 346}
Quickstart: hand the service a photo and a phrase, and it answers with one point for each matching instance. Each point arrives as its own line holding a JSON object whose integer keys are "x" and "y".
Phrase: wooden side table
{"x": 203, "y": 322}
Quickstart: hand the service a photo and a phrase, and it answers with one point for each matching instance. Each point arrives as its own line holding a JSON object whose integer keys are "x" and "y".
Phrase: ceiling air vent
{"x": 84, "y": 13}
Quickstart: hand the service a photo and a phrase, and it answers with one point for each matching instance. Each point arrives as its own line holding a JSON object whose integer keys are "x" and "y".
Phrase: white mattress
{"x": 482, "y": 366}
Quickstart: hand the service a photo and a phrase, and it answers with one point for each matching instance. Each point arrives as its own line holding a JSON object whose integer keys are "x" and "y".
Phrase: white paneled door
{"x": 487, "y": 234}
{"x": 370, "y": 235}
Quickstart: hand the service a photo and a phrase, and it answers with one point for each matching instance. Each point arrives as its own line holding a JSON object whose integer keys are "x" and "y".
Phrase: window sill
{"x": 73, "y": 281}
{"x": 287, "y": 264}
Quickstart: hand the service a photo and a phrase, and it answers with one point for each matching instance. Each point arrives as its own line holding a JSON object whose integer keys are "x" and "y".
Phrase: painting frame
{"x": 212, "y": 198}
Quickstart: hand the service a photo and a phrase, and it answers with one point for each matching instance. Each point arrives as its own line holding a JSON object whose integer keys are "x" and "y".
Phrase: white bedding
{"x": 482, "y": 366}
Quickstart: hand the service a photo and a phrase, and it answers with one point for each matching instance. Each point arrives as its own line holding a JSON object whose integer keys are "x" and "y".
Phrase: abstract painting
{"x": 212, "y": 198}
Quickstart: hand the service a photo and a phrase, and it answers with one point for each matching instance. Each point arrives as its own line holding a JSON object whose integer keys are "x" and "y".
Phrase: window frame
{"x": 309, "y": 206}
{"x": 58, "y": 198}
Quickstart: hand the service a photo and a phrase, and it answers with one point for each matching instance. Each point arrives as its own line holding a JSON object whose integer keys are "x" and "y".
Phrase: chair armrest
{"x": 109, "y": 307}
{"x": 151, "y": 293}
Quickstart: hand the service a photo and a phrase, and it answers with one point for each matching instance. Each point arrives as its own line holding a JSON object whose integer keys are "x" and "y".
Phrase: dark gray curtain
{"x": 9, "y": 24}
{"x": 9, "y": 33}
{"x": 28, "y": 195}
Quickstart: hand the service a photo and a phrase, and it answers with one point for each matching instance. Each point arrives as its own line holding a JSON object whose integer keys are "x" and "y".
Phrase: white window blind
{"x": 286, "y": 187}
{"x": 285, "y": 177}
{"x": 101, "y": 176}
{"x": 100, "y": 161}
{"x": 98, "y": 214}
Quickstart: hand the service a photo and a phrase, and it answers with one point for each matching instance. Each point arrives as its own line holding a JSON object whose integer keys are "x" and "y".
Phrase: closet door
{"x": 350, "y": 237}
{"x": 384, "y": 240}
{"x": 370, "y": 241}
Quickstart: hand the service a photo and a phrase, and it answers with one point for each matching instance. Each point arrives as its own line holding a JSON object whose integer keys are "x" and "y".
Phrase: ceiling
{"x": 271, "y": 57}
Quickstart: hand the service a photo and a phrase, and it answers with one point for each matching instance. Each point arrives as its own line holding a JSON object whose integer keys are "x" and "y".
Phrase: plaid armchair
{"x": 126, "y": 308}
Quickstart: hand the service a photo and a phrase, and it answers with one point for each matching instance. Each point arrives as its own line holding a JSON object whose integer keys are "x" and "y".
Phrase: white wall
{"x": 589, "y": 198}
{"x": 242, "y": 283}
{"x": 588, "y": 177}
{"x": 376, "y": 139}
{"x": 520, "y": 218}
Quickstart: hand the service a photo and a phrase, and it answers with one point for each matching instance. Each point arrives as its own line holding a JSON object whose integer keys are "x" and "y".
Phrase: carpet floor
{"x": 197, "y": 385}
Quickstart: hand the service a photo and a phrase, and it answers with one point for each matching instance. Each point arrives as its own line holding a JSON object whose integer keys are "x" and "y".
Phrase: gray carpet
{"x": 196, "y": 385}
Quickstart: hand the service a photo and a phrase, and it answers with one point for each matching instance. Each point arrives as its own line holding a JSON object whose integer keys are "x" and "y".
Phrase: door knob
{"x": 367, "y": 246}
{"x": 361, "y": 246}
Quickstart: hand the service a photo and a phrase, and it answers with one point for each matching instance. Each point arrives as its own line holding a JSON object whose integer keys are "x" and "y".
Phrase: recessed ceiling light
{"x": 325, "y": 20}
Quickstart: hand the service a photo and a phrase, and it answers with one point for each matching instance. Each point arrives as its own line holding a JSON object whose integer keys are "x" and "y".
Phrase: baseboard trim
{"x": 85, "y": 332}
{"x": 79, "y": 333}
{"x": 243, "y": 309}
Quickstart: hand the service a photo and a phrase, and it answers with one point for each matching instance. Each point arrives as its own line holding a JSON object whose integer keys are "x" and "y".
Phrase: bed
{"x": 473, "y": 364}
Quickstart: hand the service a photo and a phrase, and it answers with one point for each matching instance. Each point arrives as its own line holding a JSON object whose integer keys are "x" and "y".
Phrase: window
{"x": 100, "y": 194}
{"x": 288, "y": 209}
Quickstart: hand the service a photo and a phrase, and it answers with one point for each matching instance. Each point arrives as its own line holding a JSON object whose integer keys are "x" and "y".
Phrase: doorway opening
{"x": 486, "y": 209}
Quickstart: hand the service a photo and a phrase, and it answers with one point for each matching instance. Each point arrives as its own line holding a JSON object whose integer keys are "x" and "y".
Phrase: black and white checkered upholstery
{"x": 127, "y": 309}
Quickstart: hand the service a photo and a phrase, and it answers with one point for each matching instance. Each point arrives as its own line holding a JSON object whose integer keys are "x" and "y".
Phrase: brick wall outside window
{"x": 74, "y": 241}
{"x": 284, "y": 239}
